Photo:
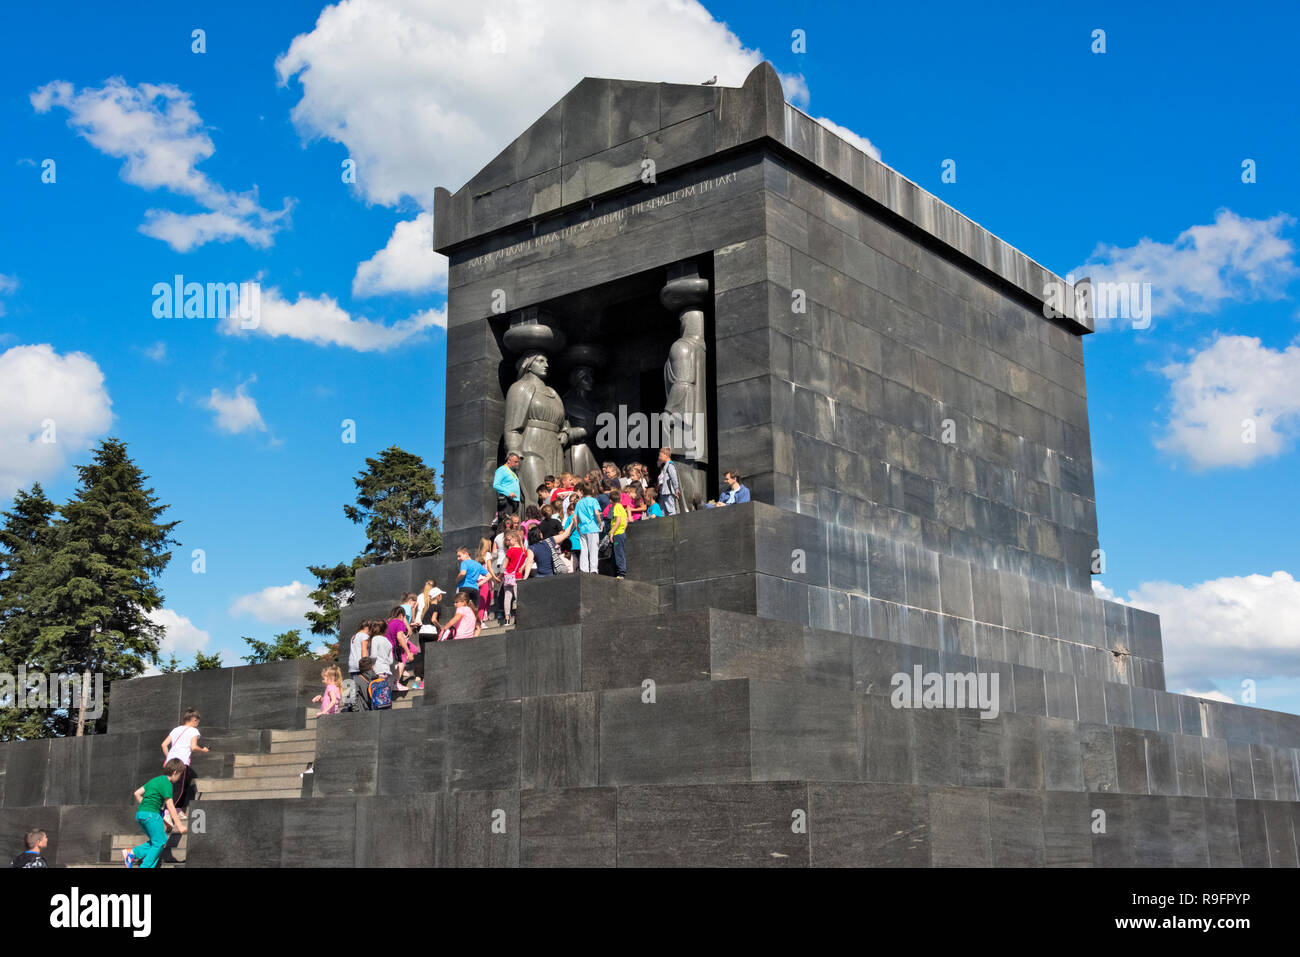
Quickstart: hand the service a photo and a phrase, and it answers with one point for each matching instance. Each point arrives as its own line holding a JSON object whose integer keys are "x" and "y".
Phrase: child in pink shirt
{"x": 332, "y": 678}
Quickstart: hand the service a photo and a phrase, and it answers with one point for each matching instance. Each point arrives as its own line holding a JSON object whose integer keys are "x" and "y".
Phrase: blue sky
{"x": 227, "y": 165}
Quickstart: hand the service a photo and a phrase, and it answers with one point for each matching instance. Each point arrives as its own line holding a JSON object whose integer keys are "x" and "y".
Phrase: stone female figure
{"x": 535, "y": 423}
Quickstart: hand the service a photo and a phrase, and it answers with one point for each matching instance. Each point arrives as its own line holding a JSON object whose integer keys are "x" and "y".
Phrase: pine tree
{"x": 395, "y": 498}
{"x": 25, "y": 537}
{"x": 334, "y": 588}
{"x": 395, "y": 495}
{"x": 94, "y": 593}
{"x": 204, "y": 662}
{"x": 284, "y": 647}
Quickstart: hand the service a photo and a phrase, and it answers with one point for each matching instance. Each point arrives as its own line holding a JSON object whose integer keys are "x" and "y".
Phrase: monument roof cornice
{"x": 596, "y": 140}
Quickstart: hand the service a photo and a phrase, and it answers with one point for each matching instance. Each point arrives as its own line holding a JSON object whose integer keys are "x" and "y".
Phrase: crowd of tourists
{"x": 576, "y": 525}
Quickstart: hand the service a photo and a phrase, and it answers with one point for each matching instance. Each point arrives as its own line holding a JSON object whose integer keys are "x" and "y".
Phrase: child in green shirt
{"x": 156, "y": 794}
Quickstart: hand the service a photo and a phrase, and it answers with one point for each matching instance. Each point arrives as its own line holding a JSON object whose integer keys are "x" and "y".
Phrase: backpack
{"x": 351, "y": 700}
{"x": 381, "y": 694}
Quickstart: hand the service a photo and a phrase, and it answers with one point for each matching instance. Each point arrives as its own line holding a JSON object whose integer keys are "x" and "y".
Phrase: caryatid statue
{"x": 686, "y": 410}
{"x": 536, "y": 426}
{"x": 580, "y": 407}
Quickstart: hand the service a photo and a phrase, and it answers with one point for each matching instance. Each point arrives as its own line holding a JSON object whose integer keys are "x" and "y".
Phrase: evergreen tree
{"x": 334, "y": 588}
{"x": 285, "y": 646}
{"x": 94, "y": 592}
{"x": 395, "y": 495}
{"x": 204, "y": 662}
{"x": 25, "y": 537}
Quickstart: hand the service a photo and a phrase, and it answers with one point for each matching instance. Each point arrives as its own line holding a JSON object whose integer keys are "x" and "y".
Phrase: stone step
{"x": 119, "y": 864}
{"x": 710, "y": 644}
{"x": 295, "y": 792}
{"x": 298, "y": 759}
{"x": 277, "y": 782}
{"x": 251, "y": 771}
{"x": 122, "y": 841}
{"x": 294, "y": 747}
{"x": 304, "y": 735}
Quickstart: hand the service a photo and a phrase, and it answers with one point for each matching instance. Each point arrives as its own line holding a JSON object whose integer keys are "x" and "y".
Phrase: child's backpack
{"x": 381, "y": 694}
{"x": 351, "y": 700}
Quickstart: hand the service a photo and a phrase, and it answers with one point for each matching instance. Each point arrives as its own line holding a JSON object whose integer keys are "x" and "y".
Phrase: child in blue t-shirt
{"x": 471, "y": 573}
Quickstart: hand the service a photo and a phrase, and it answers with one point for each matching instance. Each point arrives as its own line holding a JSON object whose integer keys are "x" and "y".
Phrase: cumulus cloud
{"x": 858, "y": 142}
{"x": 51, "y": 408}
{"x": 323, "y": 321}
{"x": 406, "y": 264}
{"x": 1246, "y": 626}
{"x": 1233, "y": 403}
{"x": 276, "y": 603}
{"x": 425, "y": 93}
{"x": 1232, "y": 259}
{"x": 235, "y": 412}
{"x": 160, "y": 136}
{"x": 183, "y": 638}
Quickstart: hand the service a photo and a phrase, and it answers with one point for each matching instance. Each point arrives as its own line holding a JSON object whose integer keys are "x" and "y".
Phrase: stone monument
{"x": 891, "y": 656}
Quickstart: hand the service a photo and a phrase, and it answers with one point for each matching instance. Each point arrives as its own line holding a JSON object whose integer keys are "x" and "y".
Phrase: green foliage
{"x": 25, "y": 541}
{"x": 78, "y": 590}
{"x": 285, "y": 646}
{"x": 334, "y": 588}
{"x": 204, "y": 662}
{"x": 396, "y": 494}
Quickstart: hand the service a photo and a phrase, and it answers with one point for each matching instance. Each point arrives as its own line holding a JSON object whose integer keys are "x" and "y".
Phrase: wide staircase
{"x": 278, "y": 773}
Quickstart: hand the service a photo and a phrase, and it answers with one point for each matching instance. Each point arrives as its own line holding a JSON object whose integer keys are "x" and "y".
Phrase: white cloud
{"x": 425, "y": 93}
{"x": 1210, "y": 695}
{"x": 1218, "y": 389}
{"x": 236, "y": 412}
{"x": 321, "y": 320}
{"x": 1246, "y": 626}
{"x": 160, "y": 135}
{"x": 183, "y": 637}
{"x": 51, "y": 408}
{"x": 1231, "y": 259}
{"x": 276, "y": 603}
{"x": 406, "y": 264}
{"x": 843, "y": 132}
{"x": 157, "y": 352}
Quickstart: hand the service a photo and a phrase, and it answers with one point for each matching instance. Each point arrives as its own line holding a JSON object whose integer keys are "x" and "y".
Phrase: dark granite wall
{"x": 897, "y": 338}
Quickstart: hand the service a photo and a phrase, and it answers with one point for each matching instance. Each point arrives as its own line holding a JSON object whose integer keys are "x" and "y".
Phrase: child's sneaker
{"x": 127, "y": 857}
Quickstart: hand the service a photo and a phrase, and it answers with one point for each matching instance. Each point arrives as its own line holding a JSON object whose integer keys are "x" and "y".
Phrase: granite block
{"x": 483, "y": 745}
{"x": 412, "y": 752}
{"x": 701, "y": 825}
{"x": 241, "y": 833}
{"x": 559, "y": 747}
{"x": 1221, "y": 833}
{"x": 1161, "y": 775}
{"x": 483, "y": 828}
{"x": 1214, "y": 755}
{"x": 960, "y": 828}
{"x": 568, "y": 827}
{"x": 868, "y": 825}
{"x": 320, "y": 832}
{"x": 1016, "y": 829}
{"x": 690, "y": 733}
{"x": 1067, "y": 837}
{"x": 419, "y": 819}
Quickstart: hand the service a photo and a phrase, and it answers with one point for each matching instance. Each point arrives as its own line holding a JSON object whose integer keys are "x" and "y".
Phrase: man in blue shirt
{"x": 506, "y": 484}
{"x": 733, "y": 492}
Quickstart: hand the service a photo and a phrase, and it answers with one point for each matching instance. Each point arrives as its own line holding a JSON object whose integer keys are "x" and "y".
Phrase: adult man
{"x": 733, "y": 492}
{"x": 670, "y": 489}
{"x": 506, "y": 484}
